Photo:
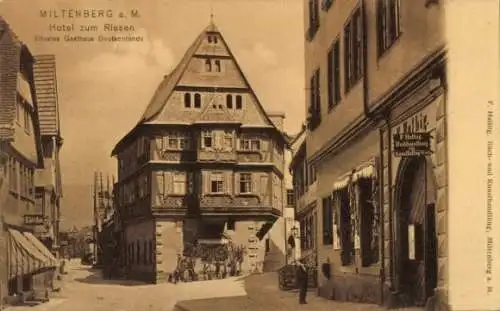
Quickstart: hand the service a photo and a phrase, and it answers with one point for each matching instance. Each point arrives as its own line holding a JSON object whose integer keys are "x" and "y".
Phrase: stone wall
{"x": 169, "y": 243}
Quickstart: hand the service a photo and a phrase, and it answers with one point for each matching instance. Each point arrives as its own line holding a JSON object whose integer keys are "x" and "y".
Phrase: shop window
{"x": 327, "y": 221}
{"x": 368, "y": 233}
{"x": 347, "y": 241}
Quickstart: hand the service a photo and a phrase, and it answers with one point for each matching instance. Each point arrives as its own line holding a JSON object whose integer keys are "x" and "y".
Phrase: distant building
{"x": 376, "y": 70}
{"x": 24, "y": 260}
{"x": 48, "y": 180}
{"x": 204, "y": 166}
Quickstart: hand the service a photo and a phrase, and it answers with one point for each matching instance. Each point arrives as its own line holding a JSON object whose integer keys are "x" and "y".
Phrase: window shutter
{"x": 205, "y": 178}
{"x": 254, "y": 183}
{"x": 237, "y": 177}
{"x": 169, "y": 182}
{"x": 226, "y": 181}
{"x": 159, "y": 182}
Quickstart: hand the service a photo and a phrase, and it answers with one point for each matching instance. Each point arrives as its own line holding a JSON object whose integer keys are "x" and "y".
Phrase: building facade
{"x": 26, "y": 265}
{"x": 203, "y": 167}
{"x": 374, "y": 72}
{"x": 48, "y": 183}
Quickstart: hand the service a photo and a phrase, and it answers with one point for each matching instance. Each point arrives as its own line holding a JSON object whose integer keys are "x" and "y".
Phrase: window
{"x": 207, "y": 139}
{"x": 138, "y": 252}
{"x": 239, "y": 102}
{"x": 268, "y": 245}
{"x": 215, "y": 40}
{"x": 217, "y": 65}
{"x": 368, "y": 231}
{"x": 180, "y": 183}
{"x": 327, "y": 221}
{"x": 208, "y": 65}
{"x": 290, "y": 197}
{"x": 250, "y": 144}
{"x": 313, "y": 18}
{"x": 187, "y": 100}
{"x": 314, "y": 117}
{"x": 353, "y": 57}
{"x": 178, "y": 141}
{"x": 229, "y": 101}
{"x": 388, "y": 24}
{"x": 245, "y": 183}
{"x": 311, "y": 174}
{"x": 333, "y": 75}
{"x": 216, "y": 183}
{"x": 346, "y": 238}
{"x": 197, "y": 100}
{"x": 209, "y": 39}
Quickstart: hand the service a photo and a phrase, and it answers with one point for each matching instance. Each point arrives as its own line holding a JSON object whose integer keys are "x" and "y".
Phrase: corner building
{"x": 375, "y": 69}
{"x": 204, "y": 165}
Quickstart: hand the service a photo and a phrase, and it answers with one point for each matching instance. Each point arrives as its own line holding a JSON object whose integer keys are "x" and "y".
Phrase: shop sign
{"x": 34, "y": 220}
{"x": 412, "y": 144}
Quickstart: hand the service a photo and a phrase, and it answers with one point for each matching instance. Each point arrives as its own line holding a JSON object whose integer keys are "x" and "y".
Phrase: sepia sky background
{"x": 105, "y": 87}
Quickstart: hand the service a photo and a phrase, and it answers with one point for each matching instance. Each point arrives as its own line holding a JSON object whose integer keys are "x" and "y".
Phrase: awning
{"x": 28, "y": 259}
{"x": 364, "y": 171}
{"x": 52, "y": 261}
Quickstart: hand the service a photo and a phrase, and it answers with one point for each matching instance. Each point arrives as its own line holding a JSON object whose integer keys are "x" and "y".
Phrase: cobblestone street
{"x": 263, "y": 295}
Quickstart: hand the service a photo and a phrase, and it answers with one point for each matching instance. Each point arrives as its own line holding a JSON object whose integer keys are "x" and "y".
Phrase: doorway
{"x": 416, "y": 235}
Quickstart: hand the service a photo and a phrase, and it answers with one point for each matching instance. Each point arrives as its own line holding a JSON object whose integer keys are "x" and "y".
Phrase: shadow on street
{"x": 96, "y": 278}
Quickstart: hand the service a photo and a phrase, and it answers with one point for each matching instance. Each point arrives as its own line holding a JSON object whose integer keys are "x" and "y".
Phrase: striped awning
{"x": 25, "y": 258}
{"x": 51, "y": 260}
{"x": 363, "y": 171}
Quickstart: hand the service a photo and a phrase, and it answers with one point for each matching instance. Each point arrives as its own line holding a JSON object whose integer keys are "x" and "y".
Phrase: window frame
{"x": 217, "y": 180}
{"x": 334, "y": 87}
{"x": 245, "y": 183}
{"x": 179, "y": 179}
{"x": 353, "y": 50}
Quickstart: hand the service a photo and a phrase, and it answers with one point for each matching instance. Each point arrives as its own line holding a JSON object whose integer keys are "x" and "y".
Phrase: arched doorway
{"x": 416, "y": 235}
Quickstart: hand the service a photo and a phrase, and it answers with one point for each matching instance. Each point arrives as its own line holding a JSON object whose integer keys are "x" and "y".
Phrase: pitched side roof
{"x": 44, "y": 71}
{"x": 10, "y": 57}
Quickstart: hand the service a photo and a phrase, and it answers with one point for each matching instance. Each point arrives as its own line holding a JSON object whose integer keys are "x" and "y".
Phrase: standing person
{"x": 302, "y": 280}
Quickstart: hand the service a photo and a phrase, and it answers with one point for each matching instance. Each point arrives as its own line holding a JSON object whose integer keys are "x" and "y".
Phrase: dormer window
{"x": 197, "y": 100}
{"x": 217, "y": 65}
{"x": 229, "y": 101}
{"x": 187, "y": 100}
{"x": 239, "y": 102}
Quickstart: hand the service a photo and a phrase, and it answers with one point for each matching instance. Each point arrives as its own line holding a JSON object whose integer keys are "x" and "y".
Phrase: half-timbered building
{"x": 203, "y": 166}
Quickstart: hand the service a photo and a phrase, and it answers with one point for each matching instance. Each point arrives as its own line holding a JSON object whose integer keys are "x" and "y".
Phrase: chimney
{"x": 278, "y": 118}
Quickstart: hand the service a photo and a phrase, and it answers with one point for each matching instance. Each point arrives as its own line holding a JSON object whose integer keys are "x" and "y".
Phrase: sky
{"x": 105, "y": 87}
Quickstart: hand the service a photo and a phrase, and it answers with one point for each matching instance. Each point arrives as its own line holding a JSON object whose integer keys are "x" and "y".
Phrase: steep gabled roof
{"x": 170, "y": 81}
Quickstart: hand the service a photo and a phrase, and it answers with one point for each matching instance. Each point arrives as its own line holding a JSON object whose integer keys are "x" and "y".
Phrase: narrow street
{"x": 83, "y": 289}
